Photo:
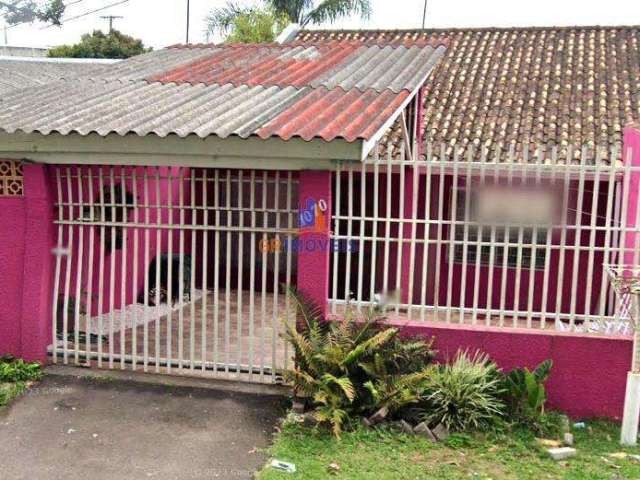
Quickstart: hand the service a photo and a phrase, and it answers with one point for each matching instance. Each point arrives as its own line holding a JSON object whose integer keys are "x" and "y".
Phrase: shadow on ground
{"x": 72, "y": 428}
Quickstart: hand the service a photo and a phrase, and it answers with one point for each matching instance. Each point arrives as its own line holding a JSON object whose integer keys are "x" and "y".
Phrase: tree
{"x": 25, "y": 11}
{"x": 256, "y": 26}
{"x": 100, "y": 45}
{"x": 303, "y": 12}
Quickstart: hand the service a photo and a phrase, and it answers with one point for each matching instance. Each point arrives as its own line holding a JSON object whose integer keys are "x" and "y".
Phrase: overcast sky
{"x": 162, "y": 22}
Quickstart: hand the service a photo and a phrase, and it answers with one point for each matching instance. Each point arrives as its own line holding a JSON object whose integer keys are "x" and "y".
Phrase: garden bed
{"x": 386, "y": 454}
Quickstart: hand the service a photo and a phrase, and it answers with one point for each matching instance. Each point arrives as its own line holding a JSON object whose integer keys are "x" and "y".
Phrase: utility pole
{"x": 424, "y": 14}
{"x": 111, "y": 18}
{"x": 188, "y": 15}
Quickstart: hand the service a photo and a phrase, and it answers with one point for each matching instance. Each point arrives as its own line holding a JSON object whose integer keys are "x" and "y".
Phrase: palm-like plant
{"x": 354, "y": 366}
{"x": 302, "y": 12}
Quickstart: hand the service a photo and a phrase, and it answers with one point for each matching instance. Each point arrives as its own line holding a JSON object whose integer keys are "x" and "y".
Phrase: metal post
{"x": 188, "y": 18}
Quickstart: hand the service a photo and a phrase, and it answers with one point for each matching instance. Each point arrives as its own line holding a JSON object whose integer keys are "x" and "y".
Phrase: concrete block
{"x": 561, "y": 453}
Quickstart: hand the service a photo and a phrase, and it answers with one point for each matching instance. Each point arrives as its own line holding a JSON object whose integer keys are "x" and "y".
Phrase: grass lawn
{"x": 385, "y": 454}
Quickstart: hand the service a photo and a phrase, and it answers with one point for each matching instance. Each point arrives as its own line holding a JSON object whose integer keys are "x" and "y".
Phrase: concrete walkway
{"x": 69, "y": 427}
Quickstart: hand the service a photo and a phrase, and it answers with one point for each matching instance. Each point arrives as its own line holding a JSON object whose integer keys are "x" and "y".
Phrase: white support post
{"x": 629, "y": 432}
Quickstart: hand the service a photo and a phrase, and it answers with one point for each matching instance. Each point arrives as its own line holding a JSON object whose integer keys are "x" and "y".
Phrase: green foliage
{"x": 525, "y": 390}
{"x": 306, "y": 12}
{"x": 463, "y": 395}
{"x": 355, "y": 366}
{"x": 114, "y": 45}
{"x": 12, "y": 370}
{"x": 525, "y": 394}
{"x": 249, "y": 22}
{"x": 25, "y": 11}
{"x": 255, "y": 26}
{"x": 243, "y": 24}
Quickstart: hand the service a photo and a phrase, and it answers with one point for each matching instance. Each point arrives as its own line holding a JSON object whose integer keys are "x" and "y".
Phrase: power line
{"x": 67, "y": 20}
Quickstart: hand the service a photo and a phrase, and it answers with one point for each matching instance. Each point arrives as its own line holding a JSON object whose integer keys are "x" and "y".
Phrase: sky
{"x": 163, "y": 22}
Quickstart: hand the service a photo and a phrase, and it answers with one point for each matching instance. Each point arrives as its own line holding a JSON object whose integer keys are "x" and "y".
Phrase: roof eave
{"x": 370, "y": 144}
{"x": 231, "y": 152}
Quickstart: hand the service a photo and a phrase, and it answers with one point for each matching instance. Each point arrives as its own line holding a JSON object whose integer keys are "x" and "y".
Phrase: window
{"x": 505, "y": 241}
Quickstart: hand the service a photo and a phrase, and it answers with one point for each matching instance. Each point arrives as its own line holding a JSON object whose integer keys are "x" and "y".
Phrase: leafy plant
{"x": 525, "y": 394}
{"x": 354, "y": 366}
{"x": 98, "y": 44}
{"x": 15, "y": 371}
{"x": 282, "y": 12}
{"x": 463, "y": 395}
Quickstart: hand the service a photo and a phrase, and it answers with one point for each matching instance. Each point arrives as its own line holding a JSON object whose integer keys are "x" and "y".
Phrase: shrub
{"x": 525, "y": 395}
{"x": 18, "y": 370}
{"x": 355, "y": 366}
{"x": 463, "y": 395}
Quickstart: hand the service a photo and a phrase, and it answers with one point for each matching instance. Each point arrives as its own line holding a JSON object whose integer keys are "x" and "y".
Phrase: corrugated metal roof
{"x": 327, "y": 91}
{"x": 17, "y": 73}
{"x": 345, "y": 65}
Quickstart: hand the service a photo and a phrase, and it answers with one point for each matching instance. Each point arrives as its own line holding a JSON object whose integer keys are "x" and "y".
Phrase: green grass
{"x": 385, "y": 454}
{"x": 15, "y": 377}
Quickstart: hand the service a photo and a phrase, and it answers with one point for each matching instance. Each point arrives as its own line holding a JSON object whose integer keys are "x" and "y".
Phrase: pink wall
{"x": 26, "y": 267}
{"x": 12, "y": 213}
{"x": 631, "y": 241}
{"x": 588, "y": 376}
{"x": 313, "y": 263}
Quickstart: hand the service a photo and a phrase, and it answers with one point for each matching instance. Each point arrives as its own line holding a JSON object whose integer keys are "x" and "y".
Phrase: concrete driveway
{"x": 71, "y": 427}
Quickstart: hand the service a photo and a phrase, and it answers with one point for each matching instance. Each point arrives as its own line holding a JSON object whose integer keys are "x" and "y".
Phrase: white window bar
{"x": 192, "y": 279}
{"x": 240, "y": 272}
{"x": 134, "y": 283}
{"x": 123, "y": 269}
{"x": 275, "y": 331}
{"x": 67, "y": 279}
{"x": 264, "y": 268}
{"x": 147, "y": 241}
{"x": 336, "y": 227}
{"x": 169, "y": 328}
{"x": 112, "y": 265}
{"x": 79, "y": 264}
{"x": 181, "y": 266}
{"x": 252, "y": 273}
{"x": 90, "y": 263}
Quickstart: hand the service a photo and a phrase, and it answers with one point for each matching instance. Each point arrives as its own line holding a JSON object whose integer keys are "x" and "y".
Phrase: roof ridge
{"x": 313, "y": 43}
{"x": 473, "y": 29}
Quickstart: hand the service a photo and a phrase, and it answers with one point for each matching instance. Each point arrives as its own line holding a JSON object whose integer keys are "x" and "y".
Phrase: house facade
{"x": 473, "y": 183}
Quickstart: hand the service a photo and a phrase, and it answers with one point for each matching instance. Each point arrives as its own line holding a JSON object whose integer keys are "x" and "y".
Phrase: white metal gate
{"x": 162, "y": 269}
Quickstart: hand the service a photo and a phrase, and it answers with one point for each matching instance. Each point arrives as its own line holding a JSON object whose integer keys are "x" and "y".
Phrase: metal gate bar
{"x": 151, "y": 263}
{"x": 432, "y": 258}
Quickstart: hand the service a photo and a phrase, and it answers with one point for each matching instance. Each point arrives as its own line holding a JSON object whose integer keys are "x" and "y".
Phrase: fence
{"x": 499, "y": 240}
{"x": 160, "y": 268}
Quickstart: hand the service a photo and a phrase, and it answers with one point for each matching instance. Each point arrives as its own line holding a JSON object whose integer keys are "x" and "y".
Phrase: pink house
{"x": 472, "y": 182}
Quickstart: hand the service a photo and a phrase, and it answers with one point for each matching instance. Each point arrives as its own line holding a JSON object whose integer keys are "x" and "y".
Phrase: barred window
{"x": 517, "y": 242}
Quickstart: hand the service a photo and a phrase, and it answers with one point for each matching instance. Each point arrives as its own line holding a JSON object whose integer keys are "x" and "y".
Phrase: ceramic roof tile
{"x": 523, "y": 88}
